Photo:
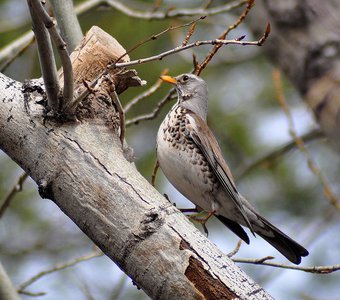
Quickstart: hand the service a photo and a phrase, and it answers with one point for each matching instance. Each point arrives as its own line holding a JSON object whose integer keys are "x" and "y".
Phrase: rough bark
{"x": 305, "y": 43}
{"x": 82, "y": 168}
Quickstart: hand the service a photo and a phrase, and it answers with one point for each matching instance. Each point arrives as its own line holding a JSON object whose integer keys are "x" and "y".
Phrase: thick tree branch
{"x": 83, "y": 170}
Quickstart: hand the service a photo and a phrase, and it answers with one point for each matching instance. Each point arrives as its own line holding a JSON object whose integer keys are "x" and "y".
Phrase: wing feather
{"x": 200, "y": 133}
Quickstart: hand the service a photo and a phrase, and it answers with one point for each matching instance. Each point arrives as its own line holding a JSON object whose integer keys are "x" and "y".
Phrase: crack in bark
{"x": 86, "y": 152}
{"x": 131, "y": 186}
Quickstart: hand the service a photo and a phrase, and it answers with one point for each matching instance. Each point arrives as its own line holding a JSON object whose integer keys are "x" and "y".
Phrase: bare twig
{"x": 189, "y": 34}
{"x": 200, "y": 67}
{"x": 115, "y": 64}
{"x": 62, "y": 51}
{"x": 154, "y": 172}
{"x": 155, "y": 37}
{"x": 56, "y": 268}
{"x": 46, "y": 58}
{"x": 120, "y": 109}
{"x": 33, "y": 294}
{"x": 145, "y": 94}
{"x": 161, "y": 15}
{"x": 90, "y": 4}
{"x": 15, "y": 189}
{"x": 237, "y": 248}
{"x": 299, "y": 142}
{"x": 264, "y": 262}
{"x": 273, "y": 156}
{"x": 170, "y": 96}
{"x": 195, "y": 44}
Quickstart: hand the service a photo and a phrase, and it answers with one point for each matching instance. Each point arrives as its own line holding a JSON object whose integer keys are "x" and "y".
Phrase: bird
{"x": 191, "y": 159}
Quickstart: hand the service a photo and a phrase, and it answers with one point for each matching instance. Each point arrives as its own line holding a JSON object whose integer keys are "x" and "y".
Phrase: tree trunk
{"x": 82, "y": 168}
{"x": 305, "y": 43}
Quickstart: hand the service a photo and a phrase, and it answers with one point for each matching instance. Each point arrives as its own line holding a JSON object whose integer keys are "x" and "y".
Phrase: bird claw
{"x": 202, "y": 221}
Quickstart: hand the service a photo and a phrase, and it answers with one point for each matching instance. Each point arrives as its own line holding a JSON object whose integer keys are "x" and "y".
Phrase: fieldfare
{"x": 191, "y": 159}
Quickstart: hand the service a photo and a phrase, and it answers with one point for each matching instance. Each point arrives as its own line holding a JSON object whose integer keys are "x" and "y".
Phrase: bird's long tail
{"x": 279, "y": 240}
{"x": 274, "y": 236}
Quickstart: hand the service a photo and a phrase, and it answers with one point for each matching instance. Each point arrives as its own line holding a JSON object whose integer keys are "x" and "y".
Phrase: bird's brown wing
{"x": 200, "y": 133}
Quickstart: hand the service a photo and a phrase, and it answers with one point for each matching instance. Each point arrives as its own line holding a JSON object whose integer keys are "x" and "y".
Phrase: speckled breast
{"x": 182, "y": 161}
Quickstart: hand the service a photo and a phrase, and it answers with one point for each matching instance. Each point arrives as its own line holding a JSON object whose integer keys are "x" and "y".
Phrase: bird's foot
{"x": 203, "y": 221}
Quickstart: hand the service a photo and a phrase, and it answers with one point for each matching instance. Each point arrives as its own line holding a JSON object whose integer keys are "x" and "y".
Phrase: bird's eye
{"x": 185, "y": 78}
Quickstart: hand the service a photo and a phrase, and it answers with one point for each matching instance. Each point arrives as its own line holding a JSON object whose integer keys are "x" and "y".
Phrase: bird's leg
{"x": 204, "y": 220}
{"x": 154, "y": 172}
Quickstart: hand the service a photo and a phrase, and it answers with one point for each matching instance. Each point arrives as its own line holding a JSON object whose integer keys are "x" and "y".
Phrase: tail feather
{"x": 279, "y": 240}
{"x": 234, "y": 227}
{"x": 274, "y": 236}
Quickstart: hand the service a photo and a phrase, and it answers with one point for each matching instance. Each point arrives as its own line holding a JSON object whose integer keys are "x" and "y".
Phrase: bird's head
{"x": 192, "y": 92}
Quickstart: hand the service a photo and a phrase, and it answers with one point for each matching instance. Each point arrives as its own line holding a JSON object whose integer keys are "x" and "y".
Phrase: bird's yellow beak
{"x": 168, "y": 79}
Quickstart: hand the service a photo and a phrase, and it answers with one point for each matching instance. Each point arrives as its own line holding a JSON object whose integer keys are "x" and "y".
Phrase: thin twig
{"x": 273, "y": 156}
{"x": 115, "y": 64}
{"x": 161, "y": 15}
{"x": 120, "y": 109}
{"x": 59, "y": 267}
{"x": 154, "y": 172}
{"x": 62, "y": 51}
{"x": 146, "y": 93}
{"x": 15, "y": 189}
{"x": 32, "y": 294}
{"x": 264, "y": 262}
{"x": 86, "y": 6}
{"x": 154, "y": 37}
{"x": 177, "y": 49}
{"x": 200, "y": 67}
{"x": 237, "y": 248}
{"x": 299, "y": 142}
{"x": 46, "y": 57}
{"x": 189, "y": 34}
{"x": 170, "y": 96}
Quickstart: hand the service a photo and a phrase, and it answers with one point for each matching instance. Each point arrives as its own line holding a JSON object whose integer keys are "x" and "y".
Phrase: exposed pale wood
{"x": 94, "y": 53}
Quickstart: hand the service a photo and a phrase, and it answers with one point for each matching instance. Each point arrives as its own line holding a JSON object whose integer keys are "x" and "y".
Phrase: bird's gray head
{"x": 192, "y": 93}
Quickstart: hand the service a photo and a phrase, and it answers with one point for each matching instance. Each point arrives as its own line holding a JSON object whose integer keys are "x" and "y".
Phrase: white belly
{"x": 185, "y": 176}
